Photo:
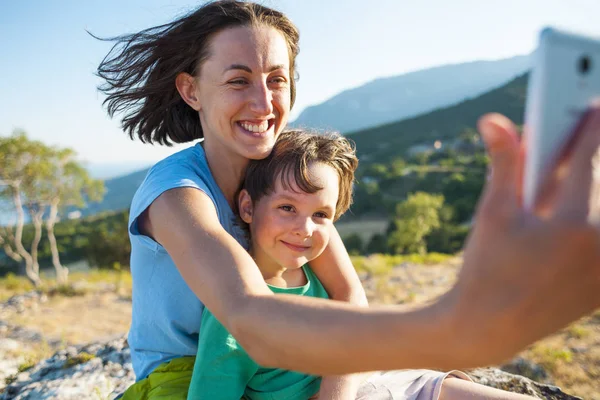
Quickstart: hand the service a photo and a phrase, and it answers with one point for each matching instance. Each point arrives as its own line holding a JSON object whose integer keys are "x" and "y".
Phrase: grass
{"x": 381, "y": 264}
{"x": 579, "y": 331}
{"x": 552, "y": 358}
{"x": 11, "y": 285}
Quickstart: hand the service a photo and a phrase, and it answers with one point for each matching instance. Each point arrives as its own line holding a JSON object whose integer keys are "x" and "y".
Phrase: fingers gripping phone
{"x": 564, "y": 80}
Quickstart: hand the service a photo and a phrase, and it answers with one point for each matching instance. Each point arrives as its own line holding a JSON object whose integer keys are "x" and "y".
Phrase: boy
{"x": 288, "y": 203}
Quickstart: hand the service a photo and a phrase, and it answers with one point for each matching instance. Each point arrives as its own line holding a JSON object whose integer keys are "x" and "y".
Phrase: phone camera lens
{"x": 584, "y": 65}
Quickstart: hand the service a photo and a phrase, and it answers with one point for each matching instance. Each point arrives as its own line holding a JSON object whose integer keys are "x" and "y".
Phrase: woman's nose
{"x": 262, "y": 100}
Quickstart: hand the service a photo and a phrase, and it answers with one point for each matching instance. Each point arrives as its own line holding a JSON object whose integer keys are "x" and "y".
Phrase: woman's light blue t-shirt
{"x": 166, "y": 314}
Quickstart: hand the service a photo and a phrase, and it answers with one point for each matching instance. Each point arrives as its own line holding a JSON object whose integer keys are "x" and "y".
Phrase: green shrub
{"x": 80, "y": 358}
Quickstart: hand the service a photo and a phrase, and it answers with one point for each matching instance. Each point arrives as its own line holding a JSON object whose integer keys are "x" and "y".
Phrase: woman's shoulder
{"x": 185, "y": 168}
{"x": 180, "y": 161}
{"x": 187, "y": 165}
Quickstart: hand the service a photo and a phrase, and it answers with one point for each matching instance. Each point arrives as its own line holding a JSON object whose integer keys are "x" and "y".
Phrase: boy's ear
{"x": 187, "y": 87}
{"x": 245, "y": 206}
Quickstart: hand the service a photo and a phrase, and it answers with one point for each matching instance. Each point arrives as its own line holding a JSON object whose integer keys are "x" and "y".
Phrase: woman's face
{"x": 244, "y": 91}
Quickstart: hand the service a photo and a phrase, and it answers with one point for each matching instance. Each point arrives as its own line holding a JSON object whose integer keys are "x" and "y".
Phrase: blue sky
{"x": 47, "y": 59}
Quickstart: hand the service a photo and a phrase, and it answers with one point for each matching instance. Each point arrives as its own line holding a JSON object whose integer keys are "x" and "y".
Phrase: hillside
{"x": 384, "y": 142}
{"x": 119, "y": 192}
{"x": 395, "y": 98}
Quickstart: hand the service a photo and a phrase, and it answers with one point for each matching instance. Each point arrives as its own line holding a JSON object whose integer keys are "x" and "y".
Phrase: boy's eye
{"x": 321, "y": 215}
{"x": 286, "y": 208}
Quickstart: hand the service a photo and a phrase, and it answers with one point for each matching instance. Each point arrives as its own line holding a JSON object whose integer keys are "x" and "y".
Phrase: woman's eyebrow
{"x": 249, "y": 70}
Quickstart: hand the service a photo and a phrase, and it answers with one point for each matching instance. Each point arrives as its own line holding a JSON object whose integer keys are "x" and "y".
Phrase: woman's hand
{"x": 525, "y": 276}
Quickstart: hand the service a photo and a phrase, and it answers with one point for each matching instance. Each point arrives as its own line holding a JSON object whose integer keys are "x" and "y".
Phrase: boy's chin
{"x": 299, "y": 263}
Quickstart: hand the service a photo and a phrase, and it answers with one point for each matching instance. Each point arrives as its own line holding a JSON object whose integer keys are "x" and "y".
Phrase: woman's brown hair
{"x": 140, "y": 69}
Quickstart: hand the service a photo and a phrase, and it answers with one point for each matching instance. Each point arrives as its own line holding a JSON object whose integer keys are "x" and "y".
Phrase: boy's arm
{"x": 223, "y": 368}
{"x": 337, "y": 274}
{"x": 339, "y": 278}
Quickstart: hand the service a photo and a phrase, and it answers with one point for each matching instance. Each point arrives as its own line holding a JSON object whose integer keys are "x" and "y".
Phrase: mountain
{"x": 385, "y": 142}
{"x": 119, "y": 192}
{"x": 395, "y": 98}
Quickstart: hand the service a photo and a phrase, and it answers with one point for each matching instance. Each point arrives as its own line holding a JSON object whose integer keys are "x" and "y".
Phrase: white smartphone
{"x": 565, "y": 78}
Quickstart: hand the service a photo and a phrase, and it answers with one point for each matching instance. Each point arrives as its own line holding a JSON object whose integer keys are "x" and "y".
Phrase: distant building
{"x": 74, "y": 214}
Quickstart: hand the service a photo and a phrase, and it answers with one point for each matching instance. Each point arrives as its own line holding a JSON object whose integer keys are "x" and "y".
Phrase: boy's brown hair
{"x": 292, "y": 154}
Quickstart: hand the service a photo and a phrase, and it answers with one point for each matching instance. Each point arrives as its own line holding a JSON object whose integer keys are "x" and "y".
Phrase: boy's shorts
{"x": 410, "y": 384}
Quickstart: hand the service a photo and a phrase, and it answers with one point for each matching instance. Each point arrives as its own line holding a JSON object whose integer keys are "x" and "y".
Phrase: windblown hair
{"x": 140, "y": 69}
{"x": 293, "y": 153}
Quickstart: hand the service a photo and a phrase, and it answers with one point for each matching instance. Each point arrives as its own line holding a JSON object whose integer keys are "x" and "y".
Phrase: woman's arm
{"x": 343, "y": 338}
{"x": 337, "y": 274}
{"x": 514, "y": 266}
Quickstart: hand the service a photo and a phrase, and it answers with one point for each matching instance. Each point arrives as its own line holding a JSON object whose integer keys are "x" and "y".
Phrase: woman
{"x": 225, "y": 73}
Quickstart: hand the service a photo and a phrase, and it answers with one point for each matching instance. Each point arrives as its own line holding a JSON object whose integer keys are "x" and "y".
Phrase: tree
{"x": 377, "y": 244}
{"x": 40, "y": 179}
{"x": 19, "y": 165}
{"x": 354, "y": 244}
{"x": 64, "y": 183}
{"x": 397, "y": 167}
{"x": 108, "y": 241}
{"x": 415, "y": 218}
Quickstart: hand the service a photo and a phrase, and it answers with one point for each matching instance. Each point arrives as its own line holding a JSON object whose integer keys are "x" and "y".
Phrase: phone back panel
{"x": 561, "y": 86}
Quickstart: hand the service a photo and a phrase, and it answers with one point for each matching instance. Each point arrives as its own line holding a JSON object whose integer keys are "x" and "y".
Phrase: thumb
{"x": 500, "y": 196}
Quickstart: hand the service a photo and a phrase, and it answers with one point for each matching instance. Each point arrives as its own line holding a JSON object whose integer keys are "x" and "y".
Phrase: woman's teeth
{"x": 260, "y": 128}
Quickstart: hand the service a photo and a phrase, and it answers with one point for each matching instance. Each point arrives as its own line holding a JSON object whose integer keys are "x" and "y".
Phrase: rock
{"x": 98, "y": 370}
{"x": 103, "y": 370}
{"x": 518, "y": 384}
{"x": 528, "y": 369}
{"x": 22, "y": 302}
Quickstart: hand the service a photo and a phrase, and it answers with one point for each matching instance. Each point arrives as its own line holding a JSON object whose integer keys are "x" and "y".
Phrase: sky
{"x": 48, "y": 60}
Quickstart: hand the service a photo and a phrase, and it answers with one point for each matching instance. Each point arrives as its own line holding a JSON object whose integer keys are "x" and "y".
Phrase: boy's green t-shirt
{"x": 223, "y": 370}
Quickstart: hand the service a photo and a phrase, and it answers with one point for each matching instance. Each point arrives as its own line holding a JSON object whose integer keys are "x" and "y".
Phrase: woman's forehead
{"x": 255, "y": 47}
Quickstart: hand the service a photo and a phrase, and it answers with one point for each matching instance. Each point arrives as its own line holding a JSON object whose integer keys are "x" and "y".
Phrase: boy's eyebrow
{"x": 292, "y": 198}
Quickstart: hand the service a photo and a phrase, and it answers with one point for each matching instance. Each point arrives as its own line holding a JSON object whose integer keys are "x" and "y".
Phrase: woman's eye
{"x": 238, "y": 82}
{"x": 279, "y": 80}
{"x": 321, "y": 215}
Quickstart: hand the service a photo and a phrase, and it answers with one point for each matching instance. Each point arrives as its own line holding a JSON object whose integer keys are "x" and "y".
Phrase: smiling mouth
{"x": 254, "y": 128}
{"x": 295, "y": 247}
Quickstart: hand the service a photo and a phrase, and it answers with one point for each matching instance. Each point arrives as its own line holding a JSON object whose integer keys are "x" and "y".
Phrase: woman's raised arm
{"x": 505, "y": 297}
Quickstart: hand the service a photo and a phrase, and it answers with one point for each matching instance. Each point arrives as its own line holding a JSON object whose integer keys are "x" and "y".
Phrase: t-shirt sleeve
{"x": 160, "y": 178}
{"x": 222, "y": 368}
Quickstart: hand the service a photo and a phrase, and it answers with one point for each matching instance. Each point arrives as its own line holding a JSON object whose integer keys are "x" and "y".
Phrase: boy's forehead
{"x": 320, "y": 175}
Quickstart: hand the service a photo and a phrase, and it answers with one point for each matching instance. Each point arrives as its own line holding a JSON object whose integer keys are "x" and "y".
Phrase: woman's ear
{"x": 187, "y": 86}
{"x": 245, "y": 206}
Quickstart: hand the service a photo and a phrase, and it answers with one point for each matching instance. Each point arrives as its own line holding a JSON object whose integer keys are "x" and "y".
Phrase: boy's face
{"x": 291, "y": 227}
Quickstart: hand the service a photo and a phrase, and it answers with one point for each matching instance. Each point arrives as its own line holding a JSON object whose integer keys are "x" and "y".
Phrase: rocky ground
{"x": 35, "y": 326}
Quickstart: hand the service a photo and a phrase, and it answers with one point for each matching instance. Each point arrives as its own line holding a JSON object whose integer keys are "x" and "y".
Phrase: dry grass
{"x": 572, "y": 357}
{"x": 77, "y": 319}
